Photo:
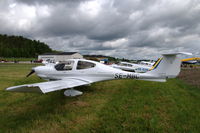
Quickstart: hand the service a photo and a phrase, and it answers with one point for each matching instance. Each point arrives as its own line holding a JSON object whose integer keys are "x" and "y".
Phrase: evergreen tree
{"x": 18, "y": 46}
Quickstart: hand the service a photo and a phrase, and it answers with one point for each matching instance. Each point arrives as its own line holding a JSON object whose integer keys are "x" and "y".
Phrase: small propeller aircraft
{"x": 78, "y": 72}
{"x": 193, "y": 60}
{"x": 132, "y": 67}
{"x": 139, "y": 68}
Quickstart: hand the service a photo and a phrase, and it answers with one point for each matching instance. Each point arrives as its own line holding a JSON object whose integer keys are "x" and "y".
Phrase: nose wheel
{"x": 72, "y": 93}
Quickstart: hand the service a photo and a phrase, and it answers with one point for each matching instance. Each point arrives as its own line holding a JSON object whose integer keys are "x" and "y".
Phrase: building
{"x": 55, "y": 57}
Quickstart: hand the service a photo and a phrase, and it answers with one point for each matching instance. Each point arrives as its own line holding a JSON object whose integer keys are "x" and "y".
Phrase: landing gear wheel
{"x": 72, "y": 93}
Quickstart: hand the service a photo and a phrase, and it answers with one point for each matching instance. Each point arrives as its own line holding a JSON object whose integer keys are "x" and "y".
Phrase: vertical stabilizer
{"x": 169, "y": 66}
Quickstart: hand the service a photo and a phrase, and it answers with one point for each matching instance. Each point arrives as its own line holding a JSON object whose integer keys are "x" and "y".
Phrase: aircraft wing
{"x": 45, "y": 87}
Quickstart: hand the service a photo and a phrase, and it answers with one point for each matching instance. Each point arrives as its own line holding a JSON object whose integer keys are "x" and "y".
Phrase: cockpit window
{"x": 125, "y": 64}
{"x": 64, "y": 66}
{"x": 129, "y": 65}
{"x": 122, "y": 64}
{"x": 84, "y": 65}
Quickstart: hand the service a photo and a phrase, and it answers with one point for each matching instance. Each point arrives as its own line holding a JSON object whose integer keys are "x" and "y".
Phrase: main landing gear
{"x": 71, "y": 92}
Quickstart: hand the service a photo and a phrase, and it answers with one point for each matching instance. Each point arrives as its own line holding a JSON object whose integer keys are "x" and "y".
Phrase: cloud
{"x": 130, "y": 29}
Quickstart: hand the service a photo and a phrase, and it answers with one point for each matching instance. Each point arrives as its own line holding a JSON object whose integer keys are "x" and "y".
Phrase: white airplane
{"x": 78, "y": 72}
{"x": 139, "y": 68}
{"x": 132, "y": 67}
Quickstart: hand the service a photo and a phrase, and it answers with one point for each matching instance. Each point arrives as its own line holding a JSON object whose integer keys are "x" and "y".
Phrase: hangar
{"x": 55, "y": 57}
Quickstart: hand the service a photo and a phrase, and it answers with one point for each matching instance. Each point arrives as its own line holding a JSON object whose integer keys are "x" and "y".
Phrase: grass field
{"x": 111, "y": 106}
{"x": 18, "y": 59}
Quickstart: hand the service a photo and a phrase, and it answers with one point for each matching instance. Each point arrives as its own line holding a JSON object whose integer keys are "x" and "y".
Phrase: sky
{"x": 132, "y": 29}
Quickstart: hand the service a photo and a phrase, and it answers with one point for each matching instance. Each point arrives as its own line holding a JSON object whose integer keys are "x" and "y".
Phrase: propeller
{"x": 32, "y": 71}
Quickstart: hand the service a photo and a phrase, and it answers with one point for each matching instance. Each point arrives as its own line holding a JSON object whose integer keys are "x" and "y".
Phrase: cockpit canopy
{"x": 125, "y": 64}
{"x": 68, "y": 65}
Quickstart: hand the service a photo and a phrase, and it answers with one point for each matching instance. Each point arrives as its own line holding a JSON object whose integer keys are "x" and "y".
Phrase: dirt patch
{"x": 191, "y": 76}
{"x": 80, "y": 103}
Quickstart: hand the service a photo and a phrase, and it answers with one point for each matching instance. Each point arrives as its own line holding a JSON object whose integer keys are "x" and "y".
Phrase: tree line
{"x": 18, "y": 46}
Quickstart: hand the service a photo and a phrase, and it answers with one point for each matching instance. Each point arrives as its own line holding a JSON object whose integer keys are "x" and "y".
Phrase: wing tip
{"x": 24, "y": 88}
{"x": 10, "y": 88}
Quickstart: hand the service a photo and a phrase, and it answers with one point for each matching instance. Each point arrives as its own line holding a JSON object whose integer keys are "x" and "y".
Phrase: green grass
{"x": 18, "y": 59}
{"x": 111, "y": 106}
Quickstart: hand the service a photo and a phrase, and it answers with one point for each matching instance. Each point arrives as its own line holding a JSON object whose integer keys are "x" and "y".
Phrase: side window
{"x": 123, "y": 64}
{"x": 84, "y": 65}
{"x": 129, "y": 65}
{"x": 65, "y": 66}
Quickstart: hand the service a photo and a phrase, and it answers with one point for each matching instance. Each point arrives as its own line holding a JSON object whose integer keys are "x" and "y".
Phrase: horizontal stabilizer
{"x": 176, "y": 53}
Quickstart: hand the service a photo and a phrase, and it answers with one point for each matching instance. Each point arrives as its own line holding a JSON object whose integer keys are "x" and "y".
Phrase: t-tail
{"x": 168, "y": 67}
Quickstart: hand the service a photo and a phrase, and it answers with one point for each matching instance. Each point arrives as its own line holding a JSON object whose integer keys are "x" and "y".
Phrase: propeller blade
{"x": 32, "y": 71}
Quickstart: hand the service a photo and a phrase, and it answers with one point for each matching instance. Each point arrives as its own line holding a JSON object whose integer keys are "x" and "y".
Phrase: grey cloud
{"x": 150, "y": 27}
{"x": 51, "y": 2}
{"x": 77, "y": 43}
{"x": 108, "y": 25}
